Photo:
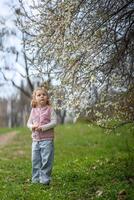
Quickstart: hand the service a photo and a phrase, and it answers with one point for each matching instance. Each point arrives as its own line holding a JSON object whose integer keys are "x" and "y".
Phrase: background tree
{"x": 82, "y": 41}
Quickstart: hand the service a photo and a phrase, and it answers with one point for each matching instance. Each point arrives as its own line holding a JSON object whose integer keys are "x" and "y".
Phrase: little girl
{"x": 41, "y": 122}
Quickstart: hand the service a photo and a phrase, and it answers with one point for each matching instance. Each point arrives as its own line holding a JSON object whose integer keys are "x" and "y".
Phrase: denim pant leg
{"x": 36, "y": 162}
{"x": 47, "y": 156}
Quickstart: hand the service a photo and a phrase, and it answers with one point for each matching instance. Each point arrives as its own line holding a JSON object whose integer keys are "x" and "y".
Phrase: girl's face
{"x": 41, "y": 98}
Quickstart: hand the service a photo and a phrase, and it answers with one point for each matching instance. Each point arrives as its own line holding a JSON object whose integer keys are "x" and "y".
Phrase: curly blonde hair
{"x": 34, "y": 102}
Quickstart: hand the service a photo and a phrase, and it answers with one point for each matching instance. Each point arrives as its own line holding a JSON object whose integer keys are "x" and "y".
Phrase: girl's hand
{"x": 34, "y": 127}
{"x": 38, "y": 129}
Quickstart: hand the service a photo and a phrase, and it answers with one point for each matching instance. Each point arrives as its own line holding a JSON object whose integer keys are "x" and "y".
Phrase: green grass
{"x": 89, "y": 164}
{"x": 5, "y": 130}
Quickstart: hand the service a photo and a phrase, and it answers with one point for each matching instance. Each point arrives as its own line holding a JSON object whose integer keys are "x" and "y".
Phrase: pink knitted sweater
{"x": 45, "y": 118}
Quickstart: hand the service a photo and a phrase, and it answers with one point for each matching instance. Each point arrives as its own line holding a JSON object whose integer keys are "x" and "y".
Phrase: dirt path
{"x": 6, "y": 138}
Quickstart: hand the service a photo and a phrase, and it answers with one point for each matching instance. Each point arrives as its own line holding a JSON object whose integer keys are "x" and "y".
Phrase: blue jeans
{"x": 42, "y": 161}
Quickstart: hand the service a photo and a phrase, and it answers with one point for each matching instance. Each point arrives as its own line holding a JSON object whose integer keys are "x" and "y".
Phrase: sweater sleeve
{"x": 52, "y": 123}
{"x": 30, "y": 123}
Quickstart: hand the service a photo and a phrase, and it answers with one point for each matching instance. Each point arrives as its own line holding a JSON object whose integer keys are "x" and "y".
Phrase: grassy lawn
{"x": 89, "y": 164}
{"x": 5, "y": 130}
